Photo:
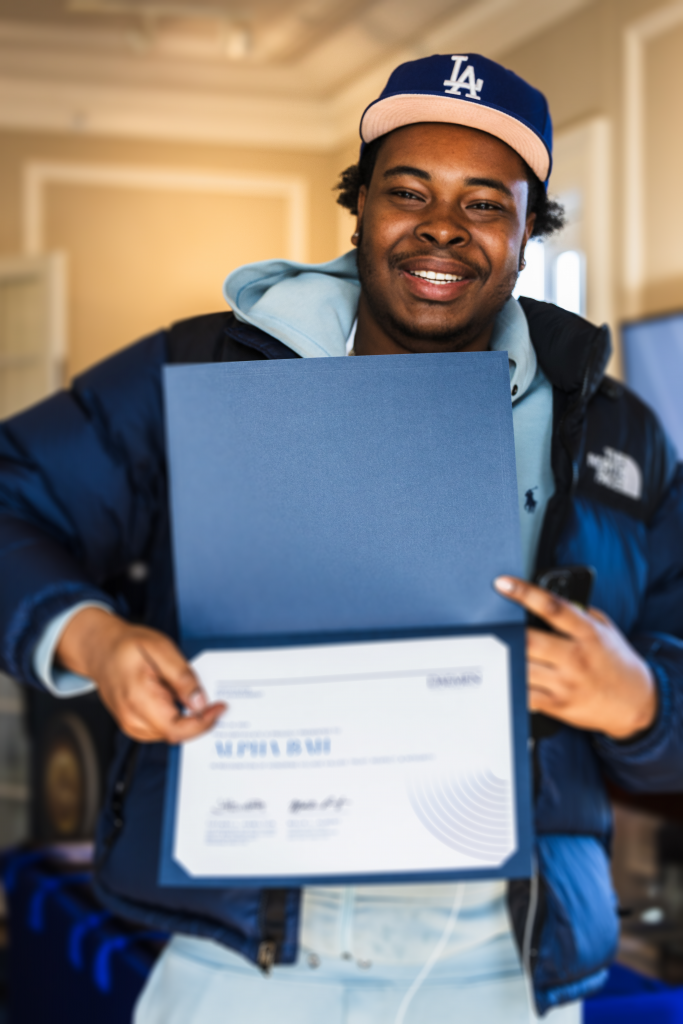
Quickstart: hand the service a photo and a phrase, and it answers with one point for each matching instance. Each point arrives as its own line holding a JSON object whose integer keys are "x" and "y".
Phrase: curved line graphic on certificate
{"x": 471, "y": 814}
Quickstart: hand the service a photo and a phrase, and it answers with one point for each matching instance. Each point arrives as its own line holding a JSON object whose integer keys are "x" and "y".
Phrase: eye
{"x": 483, "y": 204}
{"x": 404, "y": 193}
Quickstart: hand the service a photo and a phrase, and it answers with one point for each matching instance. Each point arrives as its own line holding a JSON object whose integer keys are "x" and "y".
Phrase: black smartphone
{"x": 575, "y": 583}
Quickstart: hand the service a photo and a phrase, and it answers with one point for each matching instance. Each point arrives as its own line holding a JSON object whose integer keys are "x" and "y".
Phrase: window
{"x": 553, "y": 274}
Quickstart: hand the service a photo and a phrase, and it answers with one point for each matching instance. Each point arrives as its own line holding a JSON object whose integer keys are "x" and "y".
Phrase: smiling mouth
{"x": 434, "y": 277}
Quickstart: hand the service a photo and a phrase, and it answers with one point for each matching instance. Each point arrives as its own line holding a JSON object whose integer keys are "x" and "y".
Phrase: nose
{"x": 443, "y": 229}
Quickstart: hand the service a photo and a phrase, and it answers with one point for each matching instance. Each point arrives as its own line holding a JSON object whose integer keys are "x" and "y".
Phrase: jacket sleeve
{"x": 653, "y": 760}
{"x": 82, "y": 477}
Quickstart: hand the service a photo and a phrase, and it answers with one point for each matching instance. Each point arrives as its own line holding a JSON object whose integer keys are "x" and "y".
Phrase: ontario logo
{"x": 465, "y": 80}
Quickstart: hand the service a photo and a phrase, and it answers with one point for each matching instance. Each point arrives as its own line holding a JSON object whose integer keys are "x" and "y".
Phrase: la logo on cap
{"x": 465, "y": 81}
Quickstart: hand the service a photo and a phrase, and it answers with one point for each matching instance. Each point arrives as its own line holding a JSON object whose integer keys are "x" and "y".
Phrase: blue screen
{"x": 653, "y": 356}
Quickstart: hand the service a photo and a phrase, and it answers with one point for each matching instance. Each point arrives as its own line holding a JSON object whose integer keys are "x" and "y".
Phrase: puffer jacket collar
{"x": 571, "y": 352}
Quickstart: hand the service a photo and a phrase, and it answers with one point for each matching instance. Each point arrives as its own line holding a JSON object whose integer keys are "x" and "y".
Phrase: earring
{"x": 522, "y": 263}
{"x": 354, "y": 237}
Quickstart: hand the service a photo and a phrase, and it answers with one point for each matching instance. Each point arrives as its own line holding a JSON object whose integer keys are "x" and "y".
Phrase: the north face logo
{"x": 466, "y": 80}
{"x": 617, "y": 471}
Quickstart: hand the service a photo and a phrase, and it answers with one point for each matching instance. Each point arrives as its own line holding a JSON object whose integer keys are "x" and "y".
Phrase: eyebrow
{"x": 407, "y": 169}
{"x": 417, "y": 172}
{"x": 493, "y": 183}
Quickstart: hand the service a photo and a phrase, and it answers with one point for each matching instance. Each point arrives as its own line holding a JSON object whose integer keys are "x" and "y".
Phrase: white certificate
{"x": 379, "y": 760}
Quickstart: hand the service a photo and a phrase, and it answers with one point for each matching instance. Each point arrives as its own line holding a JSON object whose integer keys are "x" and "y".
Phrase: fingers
{"x": 163, "y": 721}
{"x": 147, "y": 711}
{"x": 545, "y": 703}
{"x": 551, "y": 694}
{"x": 550, "y": 658}
{"x": 158, "y": 717}
{"x": 187, "y": 727}
{"x": 549, "y": 648}
{"x": 143, "y": 679}
{"x": 560, "y": 614}
{"x": 170, "y": 665}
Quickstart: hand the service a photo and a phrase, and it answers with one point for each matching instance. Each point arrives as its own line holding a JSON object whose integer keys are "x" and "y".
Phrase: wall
{"x": 663, "y": 159}
{"x": 622, "y": 59}
{"x": 145, "y": 252}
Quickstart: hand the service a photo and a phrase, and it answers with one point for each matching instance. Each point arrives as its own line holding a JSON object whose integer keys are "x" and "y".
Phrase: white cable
{"x": 526, "y": 942}
{"x": 436, "y": 953}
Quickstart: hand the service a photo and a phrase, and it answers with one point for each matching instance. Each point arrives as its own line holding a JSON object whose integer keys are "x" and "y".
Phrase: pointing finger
{"x": 562, "y": 615}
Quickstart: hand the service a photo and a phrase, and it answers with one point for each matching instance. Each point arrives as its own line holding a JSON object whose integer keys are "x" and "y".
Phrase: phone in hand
{"x": 575, "y": 584}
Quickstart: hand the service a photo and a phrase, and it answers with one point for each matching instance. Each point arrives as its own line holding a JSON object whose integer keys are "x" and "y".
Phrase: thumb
{"x": 168, "y": 662}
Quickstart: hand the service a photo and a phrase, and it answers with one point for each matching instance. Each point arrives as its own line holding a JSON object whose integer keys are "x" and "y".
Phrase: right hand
{"x": 140, "y": 675}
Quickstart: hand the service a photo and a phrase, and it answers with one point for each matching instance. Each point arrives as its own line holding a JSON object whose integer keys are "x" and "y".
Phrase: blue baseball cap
{"x": 470, "y": 90}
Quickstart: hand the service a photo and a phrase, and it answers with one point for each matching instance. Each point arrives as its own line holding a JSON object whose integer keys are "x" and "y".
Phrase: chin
{"x": 428, "y": 331}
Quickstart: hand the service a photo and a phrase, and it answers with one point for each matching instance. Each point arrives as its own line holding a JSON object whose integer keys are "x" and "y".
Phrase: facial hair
{"x": 401, "y": 330}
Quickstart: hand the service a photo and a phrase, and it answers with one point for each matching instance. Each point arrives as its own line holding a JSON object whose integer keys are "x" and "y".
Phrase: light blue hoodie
{"x": 312, "y": 308}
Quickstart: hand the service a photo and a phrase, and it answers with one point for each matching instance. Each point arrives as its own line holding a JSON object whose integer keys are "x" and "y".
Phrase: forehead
{"x": 450, "y": 149}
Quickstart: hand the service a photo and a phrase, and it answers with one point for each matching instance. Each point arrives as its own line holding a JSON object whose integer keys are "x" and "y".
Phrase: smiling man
{"x": 429, "y": 283}
{"x": 450, "y": 186}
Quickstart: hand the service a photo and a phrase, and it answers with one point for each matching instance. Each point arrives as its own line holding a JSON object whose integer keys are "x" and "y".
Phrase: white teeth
{"x": 431, "y": 275}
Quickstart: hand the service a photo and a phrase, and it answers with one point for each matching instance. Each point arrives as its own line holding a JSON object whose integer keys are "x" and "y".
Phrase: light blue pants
{"x": 362, "y": 952}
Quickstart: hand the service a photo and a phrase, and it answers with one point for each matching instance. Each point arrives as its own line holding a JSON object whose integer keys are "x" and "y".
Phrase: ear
{"x": 528, "y": 229}
{"x": 362, "y": 196}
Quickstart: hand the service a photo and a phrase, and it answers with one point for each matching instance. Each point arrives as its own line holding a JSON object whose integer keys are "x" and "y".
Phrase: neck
{"x": 374, "y": 338}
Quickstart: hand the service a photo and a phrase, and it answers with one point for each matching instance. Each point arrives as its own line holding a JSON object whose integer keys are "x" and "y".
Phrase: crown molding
{"x": 55, "y": 106}
{"x": 47, "y": 83}
{"x": 37, "y": 175}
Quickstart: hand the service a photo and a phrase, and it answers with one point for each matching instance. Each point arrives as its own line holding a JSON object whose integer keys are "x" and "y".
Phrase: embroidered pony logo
{"x": 530, "y": 503}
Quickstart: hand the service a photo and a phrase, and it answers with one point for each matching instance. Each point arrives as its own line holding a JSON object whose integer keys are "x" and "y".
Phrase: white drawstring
{"x": 526, "y": 941}
{"x": 346, "y": 922}
{"x": 436, "y": 953}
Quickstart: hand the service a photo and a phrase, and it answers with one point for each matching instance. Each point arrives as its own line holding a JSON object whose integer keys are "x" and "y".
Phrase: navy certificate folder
{"x": 317, "y": 500}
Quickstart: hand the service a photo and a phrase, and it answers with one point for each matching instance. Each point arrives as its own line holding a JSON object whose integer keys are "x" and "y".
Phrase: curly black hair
{"x": 549, "y": 213}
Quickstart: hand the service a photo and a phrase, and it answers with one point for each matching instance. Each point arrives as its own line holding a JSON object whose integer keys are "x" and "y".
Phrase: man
{"x": 450, "y": 186}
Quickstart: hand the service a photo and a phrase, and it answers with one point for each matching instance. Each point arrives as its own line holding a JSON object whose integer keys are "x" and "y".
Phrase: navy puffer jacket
{"x": 83, "y": 494}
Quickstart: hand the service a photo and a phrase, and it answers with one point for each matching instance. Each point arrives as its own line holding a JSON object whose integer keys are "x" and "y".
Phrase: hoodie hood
{"x": 311, "y": 308}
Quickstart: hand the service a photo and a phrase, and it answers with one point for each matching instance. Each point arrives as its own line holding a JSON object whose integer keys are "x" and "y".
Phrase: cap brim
{"x": 413, "y": 108}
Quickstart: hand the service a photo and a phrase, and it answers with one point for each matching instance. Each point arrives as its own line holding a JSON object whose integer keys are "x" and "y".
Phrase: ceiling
{"x": 248, "y": 32}
{"x": 274, "y": 72}
{"x": 297, "y": 47}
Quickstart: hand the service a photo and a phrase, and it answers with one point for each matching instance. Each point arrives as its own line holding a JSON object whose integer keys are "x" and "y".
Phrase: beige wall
{"x": 664, "y": 172}
{"x": 582, "y": 66}
{"x": 141, "y": 257}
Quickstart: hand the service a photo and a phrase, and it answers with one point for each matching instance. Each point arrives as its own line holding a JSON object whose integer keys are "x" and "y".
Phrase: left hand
{"x": 589, "y": 676}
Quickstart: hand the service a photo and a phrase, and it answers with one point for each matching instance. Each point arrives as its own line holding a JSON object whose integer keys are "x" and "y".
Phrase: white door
{"x": 32, "y": 329}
